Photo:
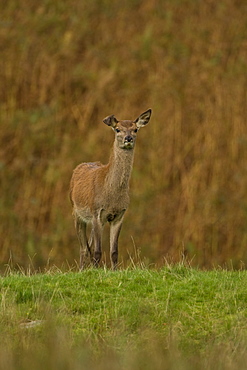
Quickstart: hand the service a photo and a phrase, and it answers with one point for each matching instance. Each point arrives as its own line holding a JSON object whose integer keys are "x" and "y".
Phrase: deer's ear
{"x": 143, "y": 119}
{"x": 110, "y": 121}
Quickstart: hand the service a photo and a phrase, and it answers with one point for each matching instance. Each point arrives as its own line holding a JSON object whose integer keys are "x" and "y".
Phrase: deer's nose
{"x": 128, "y": 139}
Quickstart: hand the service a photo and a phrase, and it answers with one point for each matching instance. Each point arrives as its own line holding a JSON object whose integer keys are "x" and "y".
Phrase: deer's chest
{"x": 112, "y": 204}
{"x": 110, "y": 215}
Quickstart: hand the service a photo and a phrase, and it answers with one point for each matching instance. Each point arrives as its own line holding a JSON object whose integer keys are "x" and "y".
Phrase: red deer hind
{"x": 100, "y": 193}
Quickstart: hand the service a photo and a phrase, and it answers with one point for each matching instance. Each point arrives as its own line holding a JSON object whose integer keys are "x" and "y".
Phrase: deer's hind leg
{"x": 85, "y": 249}
{"x": 97, "y": 238}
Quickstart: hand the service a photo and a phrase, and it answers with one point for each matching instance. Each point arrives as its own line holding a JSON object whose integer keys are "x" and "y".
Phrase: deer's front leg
{"x": 97, "y": 236}
{"x": 114, "y": 234}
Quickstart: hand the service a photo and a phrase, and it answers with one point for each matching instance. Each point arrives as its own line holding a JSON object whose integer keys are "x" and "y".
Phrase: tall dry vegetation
{"x": 66, "y": 65}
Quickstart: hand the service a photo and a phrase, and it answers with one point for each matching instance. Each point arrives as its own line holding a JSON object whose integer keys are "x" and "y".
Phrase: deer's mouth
{"x": 128, "y": 145}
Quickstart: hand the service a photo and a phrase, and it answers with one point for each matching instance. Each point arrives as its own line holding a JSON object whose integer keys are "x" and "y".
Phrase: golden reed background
{"x": 65, "y": 65}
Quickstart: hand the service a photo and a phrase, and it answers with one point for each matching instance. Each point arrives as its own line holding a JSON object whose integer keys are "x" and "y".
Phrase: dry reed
{"x": 65, "y": 66}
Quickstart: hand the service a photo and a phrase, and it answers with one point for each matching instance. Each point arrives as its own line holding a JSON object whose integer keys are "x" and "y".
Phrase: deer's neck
{"x": 120, "y": 167}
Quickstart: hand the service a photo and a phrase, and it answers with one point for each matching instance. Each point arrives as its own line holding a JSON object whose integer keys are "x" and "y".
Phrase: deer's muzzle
{"x": 128, "y": 142}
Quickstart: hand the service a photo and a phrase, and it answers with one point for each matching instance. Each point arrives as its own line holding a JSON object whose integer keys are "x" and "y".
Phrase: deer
{"x": 99, "y": 193}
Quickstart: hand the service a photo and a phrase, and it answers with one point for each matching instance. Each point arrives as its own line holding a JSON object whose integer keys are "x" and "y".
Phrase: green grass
{"x": 136, "y": 318}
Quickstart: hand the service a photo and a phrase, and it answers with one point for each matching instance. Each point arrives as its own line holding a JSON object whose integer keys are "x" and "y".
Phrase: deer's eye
{"x": 136, "y": 130}
{"x": 117, "y": 130}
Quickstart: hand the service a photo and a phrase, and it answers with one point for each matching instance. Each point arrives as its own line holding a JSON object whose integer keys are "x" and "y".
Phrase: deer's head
{"x": 126, "y": 131}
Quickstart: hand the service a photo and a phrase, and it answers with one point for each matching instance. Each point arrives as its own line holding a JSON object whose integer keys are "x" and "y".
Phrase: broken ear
{"x": 143, "y": 119}
{"x": 110, "y": 121}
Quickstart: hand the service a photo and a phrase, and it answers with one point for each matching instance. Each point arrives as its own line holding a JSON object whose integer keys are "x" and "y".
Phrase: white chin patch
{"x": 128, "y": 145}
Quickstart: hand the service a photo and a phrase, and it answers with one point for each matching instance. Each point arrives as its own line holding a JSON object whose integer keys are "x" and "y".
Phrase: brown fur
{"x": 100, "y": 193}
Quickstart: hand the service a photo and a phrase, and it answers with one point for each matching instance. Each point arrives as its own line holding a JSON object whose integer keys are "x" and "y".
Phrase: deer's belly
{"x": 84, "y": 214}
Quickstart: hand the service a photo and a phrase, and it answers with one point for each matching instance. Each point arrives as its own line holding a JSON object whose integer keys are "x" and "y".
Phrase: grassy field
{"x": 65, "y": 66}
{"x": 173, "y": 318}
